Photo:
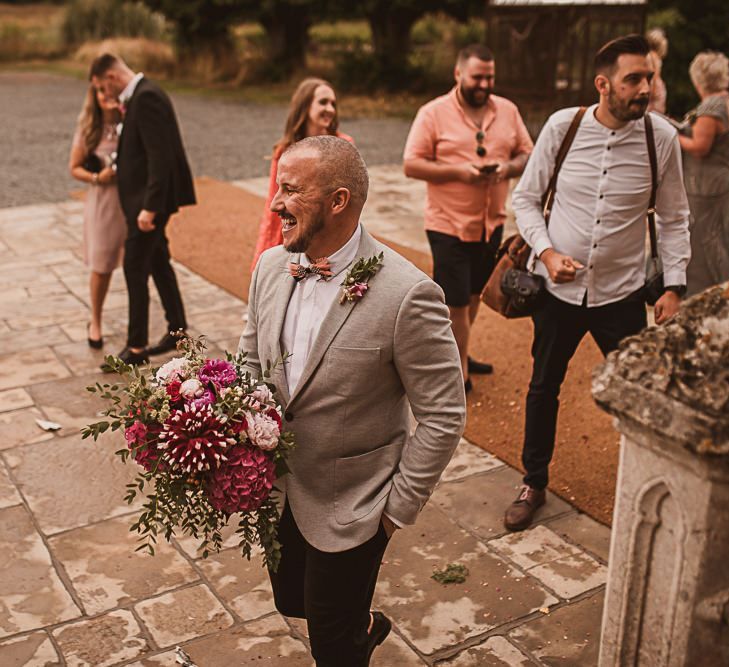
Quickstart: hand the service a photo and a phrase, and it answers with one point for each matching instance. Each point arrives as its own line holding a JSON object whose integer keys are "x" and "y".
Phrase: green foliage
{"x": 101, "y": 19}
{"x": 691, "y": 27}
{"x": 452, "y": 574}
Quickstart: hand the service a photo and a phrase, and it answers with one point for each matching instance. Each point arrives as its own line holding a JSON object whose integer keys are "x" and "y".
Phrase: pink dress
{"x": 105, "y": 228}
{"x": 269, "y": 230}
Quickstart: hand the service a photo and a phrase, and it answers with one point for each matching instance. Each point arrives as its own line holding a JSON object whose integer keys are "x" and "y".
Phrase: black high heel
{"x": 95, "y": 343}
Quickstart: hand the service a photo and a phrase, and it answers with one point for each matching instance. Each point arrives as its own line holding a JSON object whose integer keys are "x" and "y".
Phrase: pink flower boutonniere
{"x": 356, "y": 282}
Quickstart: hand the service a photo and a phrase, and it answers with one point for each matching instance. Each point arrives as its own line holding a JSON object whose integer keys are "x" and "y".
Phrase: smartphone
{"x": 488, "y": 168}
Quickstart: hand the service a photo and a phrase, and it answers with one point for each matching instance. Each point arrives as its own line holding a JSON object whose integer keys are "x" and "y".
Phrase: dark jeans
{"x": 148, "y": 254}
{"x": 558, "y": 329}
{"x": 332, "y": 591}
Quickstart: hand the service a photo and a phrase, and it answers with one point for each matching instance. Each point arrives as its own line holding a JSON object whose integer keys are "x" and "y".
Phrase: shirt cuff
{"x": 674, "y": 277}
{"x": 541, "y": 245}
{"x": 395, "y": 521}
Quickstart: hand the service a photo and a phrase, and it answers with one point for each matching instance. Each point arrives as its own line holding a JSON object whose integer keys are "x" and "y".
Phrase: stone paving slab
{"x": 74, "y": 584}
{"x": 106, "y": 571}
{"x": 31, "y": 593}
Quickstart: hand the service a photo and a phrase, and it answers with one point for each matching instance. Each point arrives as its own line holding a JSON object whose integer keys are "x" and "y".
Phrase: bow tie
{"x": 320, "y": 267}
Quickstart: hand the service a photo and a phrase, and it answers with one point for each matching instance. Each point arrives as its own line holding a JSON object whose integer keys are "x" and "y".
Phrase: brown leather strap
{"x": 651, "y": 215}
{"x": 549, "y": 193}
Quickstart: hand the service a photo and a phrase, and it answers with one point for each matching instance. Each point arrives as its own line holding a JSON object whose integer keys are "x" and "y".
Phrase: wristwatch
{"x": 679, "y": 290}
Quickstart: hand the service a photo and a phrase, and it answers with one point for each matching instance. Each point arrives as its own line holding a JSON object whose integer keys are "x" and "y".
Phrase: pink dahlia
{"x": 243, "y": 482}
{"x": 195, "y": 438}
{"x": 141, "y": 440}
{"x": 219, "y": 372}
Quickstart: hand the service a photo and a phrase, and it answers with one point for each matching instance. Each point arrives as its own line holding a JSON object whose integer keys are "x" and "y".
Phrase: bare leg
{"x": 473, "y": 305}
{"x": 461, "y": 324}
{"x": 99, "y": 286}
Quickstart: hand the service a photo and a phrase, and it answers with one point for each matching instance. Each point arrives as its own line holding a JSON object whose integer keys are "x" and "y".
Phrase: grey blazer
{"x": 354, "y": 456}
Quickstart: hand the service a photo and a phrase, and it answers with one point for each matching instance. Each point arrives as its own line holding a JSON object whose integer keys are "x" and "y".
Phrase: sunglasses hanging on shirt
{"x": 480, "y": 148}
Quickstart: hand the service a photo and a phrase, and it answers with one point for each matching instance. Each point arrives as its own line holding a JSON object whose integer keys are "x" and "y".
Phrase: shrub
{"x": 139, "y": 53}
{"x": 93, "y": 20}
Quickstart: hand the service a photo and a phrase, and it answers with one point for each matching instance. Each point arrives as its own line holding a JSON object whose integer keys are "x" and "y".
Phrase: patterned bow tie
{"x": 319, "y": 267}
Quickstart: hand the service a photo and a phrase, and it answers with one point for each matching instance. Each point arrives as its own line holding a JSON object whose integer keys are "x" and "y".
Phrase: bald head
{"x": 339, "y": 165}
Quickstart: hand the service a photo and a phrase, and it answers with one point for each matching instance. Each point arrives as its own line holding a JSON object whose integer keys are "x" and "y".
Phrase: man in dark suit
{"x": 154, "y": 180}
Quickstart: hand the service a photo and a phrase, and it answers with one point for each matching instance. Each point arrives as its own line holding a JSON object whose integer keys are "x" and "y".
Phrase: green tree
{"x": 691, "y": 27}
{"x": 205, "y": 26}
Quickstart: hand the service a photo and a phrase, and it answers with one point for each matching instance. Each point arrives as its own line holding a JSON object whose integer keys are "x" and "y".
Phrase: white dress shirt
{"x": 310, "y": 302}
{"x": 599, "y": 212}
{"x": 127, "y": 93}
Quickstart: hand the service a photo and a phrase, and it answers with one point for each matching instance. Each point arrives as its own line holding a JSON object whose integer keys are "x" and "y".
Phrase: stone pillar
{"x": 667, "y": 601}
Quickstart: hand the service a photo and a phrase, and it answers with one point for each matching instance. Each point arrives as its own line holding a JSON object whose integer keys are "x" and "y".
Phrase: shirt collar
{"x": 343, "y": 257}
{"x": 127, "y": 93}
{"x": 489, "y": 116}
{"x": 592, "y": 121}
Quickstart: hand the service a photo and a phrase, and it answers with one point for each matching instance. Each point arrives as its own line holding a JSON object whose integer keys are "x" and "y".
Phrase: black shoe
{"x": 381, "y": 627}
{"x": 95, "y": 343}
{"x": 479, "y": 367}
{"x": 128, "y": 357}
{"x": 167, "y": 343}
{"x": 468, "y": 385}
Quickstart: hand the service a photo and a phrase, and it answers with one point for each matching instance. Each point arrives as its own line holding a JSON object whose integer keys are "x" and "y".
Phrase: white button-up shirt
{"x": 128, "y": 91}
{"x": 599, "y": 212}
{"x": 310, "y": 302}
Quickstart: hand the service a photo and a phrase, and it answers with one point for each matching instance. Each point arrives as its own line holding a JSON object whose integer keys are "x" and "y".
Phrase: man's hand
{"x": 145, "y": 220}
{"x": 667, "y": 306}
{"x": 562, "y": 268}
{"x": 106, "y": 176}
{"x": 469, "y": 173}
{"x": 388, "y": 525}
{"x": 501, "y": 173}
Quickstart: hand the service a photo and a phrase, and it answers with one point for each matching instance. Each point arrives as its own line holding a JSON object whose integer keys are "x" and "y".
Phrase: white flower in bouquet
{"x": 263, "y": 395}
{"x": 174, "y": 369}
{"x": 191, "y": 388}
{"x": 263, "y": 431}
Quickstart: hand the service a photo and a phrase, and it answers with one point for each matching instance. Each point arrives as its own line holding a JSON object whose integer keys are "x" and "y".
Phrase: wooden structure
{"x": 545, "y": 48}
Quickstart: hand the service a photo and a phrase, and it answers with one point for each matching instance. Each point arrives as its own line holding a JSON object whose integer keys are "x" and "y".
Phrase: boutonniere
{"x": 355, "y": 282}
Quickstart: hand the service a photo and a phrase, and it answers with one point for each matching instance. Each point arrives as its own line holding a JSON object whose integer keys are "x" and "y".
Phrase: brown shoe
{"x": 520, "y": 513}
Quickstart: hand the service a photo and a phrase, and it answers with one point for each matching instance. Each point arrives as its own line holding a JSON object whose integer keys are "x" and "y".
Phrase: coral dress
{"x": 269, "y": 230}
{"x": 105, "y": 228}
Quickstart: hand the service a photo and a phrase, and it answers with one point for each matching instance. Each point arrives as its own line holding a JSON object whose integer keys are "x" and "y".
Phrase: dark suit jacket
{"x": 152, "y": 170}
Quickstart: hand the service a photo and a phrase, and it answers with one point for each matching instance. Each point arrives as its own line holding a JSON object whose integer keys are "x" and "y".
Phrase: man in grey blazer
{"x": 356, "y": 365}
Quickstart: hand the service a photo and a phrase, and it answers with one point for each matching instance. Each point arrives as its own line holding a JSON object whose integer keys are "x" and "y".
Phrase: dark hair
{"x": 102, "y": 64}
{"x": 480, "y": 51}
{"x": 607, "y": 57}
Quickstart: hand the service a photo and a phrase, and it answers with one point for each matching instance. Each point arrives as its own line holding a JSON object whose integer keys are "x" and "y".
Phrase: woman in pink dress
{"x": 92, "y": 161}
{"x": 313, "y": 111}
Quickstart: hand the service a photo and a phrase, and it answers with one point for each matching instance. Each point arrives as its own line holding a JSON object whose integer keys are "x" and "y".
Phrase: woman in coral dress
{"x": 92, "y": 161}
{"x": 313, "y": 111}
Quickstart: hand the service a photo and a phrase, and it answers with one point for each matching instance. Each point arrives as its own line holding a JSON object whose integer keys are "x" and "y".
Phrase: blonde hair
{"x": 301, "y": 100}
{"x": 709, "y": 70}
{"x": 91, "y": 121}
{"x": 656, "y": 39}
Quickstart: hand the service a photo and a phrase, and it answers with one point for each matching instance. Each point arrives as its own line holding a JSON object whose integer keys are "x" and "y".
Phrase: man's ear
{"x": 340, "y": 200}
{"x": 602, "y": 83}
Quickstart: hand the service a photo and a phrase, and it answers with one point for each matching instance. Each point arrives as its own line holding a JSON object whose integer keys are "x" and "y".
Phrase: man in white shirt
{"x": 592, "y": 256}
{"x": 361, "y": 352}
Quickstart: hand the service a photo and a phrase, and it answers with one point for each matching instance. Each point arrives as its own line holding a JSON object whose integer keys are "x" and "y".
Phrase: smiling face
{"x": 627, "y": 88}
{"x": 475, "y": 79}
{"x": 299, "y": 202}
{"x": 322, "y": 111}
{"x": 106, "y": 103}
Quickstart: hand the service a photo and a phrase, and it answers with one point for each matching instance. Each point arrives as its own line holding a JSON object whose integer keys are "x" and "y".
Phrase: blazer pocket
{"x": 349, "y": 369}
{"x": 362, "y": 482}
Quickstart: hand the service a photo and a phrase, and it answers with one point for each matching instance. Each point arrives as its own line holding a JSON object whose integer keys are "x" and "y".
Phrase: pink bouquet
{"x": 208, "y": 439}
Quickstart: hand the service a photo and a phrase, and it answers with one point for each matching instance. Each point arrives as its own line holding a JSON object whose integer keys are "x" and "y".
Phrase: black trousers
{"x": 558, "y": 329}
{"x": 148, "y": 254}
{"x": 332, "y": 591}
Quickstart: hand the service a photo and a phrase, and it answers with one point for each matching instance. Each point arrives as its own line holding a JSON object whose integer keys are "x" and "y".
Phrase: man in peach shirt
{"x": 466, "y": 145}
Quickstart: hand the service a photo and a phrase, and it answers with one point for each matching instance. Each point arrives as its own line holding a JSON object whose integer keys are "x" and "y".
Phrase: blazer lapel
{"x": 281, "y": 303}
{"x": 333, "y": 322}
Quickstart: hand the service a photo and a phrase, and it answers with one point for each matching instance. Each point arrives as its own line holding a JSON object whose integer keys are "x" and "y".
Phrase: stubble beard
{"x": 303, "y": 240}
{"x": 623, "y": 111}
{"x": 468, "y": 95}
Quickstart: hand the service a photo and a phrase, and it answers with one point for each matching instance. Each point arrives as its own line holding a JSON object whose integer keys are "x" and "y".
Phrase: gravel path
{"x": 224, "y": 139}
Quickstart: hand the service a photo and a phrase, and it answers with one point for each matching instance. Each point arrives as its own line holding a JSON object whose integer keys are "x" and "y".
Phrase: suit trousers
{"x": 332, "y": 591}
{"x": 148, "y": 254}
{"x": 558, "y": 329}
